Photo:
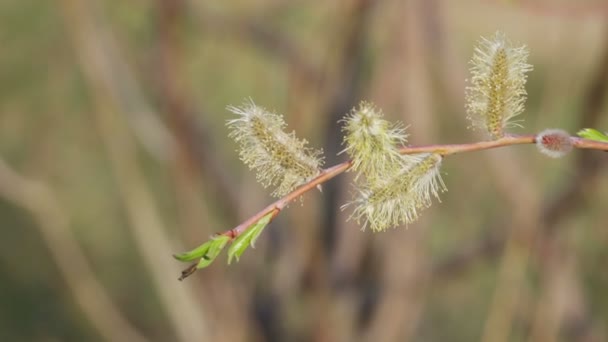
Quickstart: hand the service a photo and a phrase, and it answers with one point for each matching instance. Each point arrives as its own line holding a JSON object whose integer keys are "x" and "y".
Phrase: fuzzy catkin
{"x": 371, "y": 142}
{"x": 279, "y": 158}
{"x": 401, "y": 196}
{"x": 554, "y": 143}
{"x": 497, "y": 91}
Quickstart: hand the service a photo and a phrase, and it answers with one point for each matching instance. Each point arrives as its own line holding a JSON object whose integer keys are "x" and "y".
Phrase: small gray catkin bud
{"x": 554, "y": 143}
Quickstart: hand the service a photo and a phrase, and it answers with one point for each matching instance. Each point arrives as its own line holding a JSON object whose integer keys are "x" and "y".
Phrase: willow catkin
{"x": 279, "y": 158}
{"x": 401, "y": 196}
{"x": 496, "y": 93}
{"x": 371, "y": 142}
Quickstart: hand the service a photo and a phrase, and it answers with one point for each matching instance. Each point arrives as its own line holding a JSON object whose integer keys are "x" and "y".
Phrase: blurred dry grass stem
{"x": 39, "y": 200}
{"x": 151, "y": 238}
{"x": 115, "y": 147}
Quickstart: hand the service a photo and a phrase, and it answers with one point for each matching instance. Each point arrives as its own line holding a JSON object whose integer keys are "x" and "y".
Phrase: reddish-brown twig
{"x": 333, "y": 171}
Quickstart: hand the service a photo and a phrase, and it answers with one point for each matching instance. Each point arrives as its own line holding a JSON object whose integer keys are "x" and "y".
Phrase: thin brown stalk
{"x": 194, "y": 150}
{"x": 443, "y": 150}
{"x": 189, "y": 319}
{"x": 250, "y": 29}
{"x": 94, "y": 300}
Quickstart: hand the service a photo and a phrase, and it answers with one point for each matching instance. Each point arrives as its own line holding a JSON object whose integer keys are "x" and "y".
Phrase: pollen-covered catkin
{"x": 398, "y": 199}
{"x": 497, "y": 86}
{"x": 372, "y": 142}
{"x": 279, "y": 158}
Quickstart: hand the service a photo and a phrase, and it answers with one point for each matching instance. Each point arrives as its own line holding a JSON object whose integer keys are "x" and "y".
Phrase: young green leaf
{"x": 217, "y": 245}
{"x": 262, "y": 223}
{"x": 592, "y": 134}
{"x": 196, "y": 253}
{"x": 240, "y": 244}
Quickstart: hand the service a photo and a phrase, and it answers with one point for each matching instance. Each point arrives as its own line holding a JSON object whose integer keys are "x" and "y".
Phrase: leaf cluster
{"x": 209, "y": 251}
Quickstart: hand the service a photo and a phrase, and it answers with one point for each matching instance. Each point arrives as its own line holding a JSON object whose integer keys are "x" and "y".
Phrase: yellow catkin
{"x": 400, "y": 197}
{"x": 497, "y": 91}
{"x": 373, "y": 143}
{"x": 279, "y": 158}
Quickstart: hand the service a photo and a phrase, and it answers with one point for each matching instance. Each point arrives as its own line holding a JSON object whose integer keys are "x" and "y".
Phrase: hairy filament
{"x": 399, "y": 198}
{"x": 371, "y": 142}
{"x": 279, "y": 158}
{"x": 497, "y": 92}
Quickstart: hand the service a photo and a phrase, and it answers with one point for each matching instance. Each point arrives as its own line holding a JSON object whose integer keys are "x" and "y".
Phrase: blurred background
{"x": 114, "y": 155}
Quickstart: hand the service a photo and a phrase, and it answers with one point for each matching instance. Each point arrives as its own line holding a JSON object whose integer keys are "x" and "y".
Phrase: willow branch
{"x": 444, "y": 150}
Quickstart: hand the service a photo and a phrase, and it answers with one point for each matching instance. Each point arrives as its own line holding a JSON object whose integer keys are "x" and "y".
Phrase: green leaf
{"x": 240, "y": 244}
{"x": 209, "y": 251}
{"x": 592, "y": 134}
{"x": 262, "y": 223}
{"x": 217, "y": 245}
{"x": 196, "y": 253}
{"x": 247, "y": 238}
